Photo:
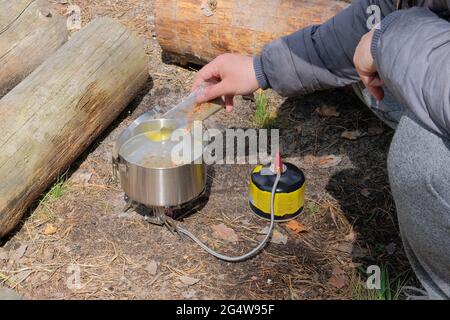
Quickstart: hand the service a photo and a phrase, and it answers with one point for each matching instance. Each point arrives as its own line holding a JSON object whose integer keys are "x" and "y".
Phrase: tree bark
{"x": 52, "y": 116}
{"x": 199, "y": 30}
{"x": 30, "y": 31}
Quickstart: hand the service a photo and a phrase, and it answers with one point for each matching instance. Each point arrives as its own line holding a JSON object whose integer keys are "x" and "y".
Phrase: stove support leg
{"x": 130, "y": 204}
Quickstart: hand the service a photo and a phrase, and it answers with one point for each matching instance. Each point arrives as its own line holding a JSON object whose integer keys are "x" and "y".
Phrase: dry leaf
{"x": 322, "y": 162}
{"x": 221, "y": 231}
{"x": 375, "y": 131}
{"x": 346, "y": 247}
{"x": 190, "y": 294}
{"x": 188, "y": 281}
{"x": 18, "y": 253}
{"x": 354, "y": 265}
{"x": 351, "y": 135}
{"x": 329, "y": 161}
{"x": 359, "y": 252}
{"x": 391, "y": 248}
{"x": 3, "y": 254}
{"x": 21, "y": 276}
{"x": 277, "y": 236}
{"x": 152, "y": 267}
{"x": 309, "y": 160}
{"x": 365, "y": 192}
{"x": 50, "y": 229}
{"x": 327, "y": 111}
{"x": 81, "y": 177}
{"x": 338, "y": 278}
{"x": 296, "y": 227}
{"x": 351, "y": 236}
{"x": 48, "y": 254}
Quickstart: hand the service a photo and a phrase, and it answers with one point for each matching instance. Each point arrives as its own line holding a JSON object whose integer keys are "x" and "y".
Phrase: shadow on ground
{"x": 360, "y": 185}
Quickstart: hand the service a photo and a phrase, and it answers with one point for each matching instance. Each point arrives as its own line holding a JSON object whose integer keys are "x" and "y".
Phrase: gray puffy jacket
{"x": 411, "y": 49}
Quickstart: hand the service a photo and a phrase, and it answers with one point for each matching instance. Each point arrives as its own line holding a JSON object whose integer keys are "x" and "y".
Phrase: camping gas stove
{"x": 167, "y": 216}
{"x": 164, "y": 191}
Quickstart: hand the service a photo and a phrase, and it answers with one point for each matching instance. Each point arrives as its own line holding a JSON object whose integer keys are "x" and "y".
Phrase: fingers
{"x": 375, "y": 88}
{"x": 376, "y": 92}
{"x": 374, "y": 84}
{"x": 375, "y": 81}
{"x": 229, "y": 103}
{"x": 208, "y": 72}
{"x": 213, "y": 91}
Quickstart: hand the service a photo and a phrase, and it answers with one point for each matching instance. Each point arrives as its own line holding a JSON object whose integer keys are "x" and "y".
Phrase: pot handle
{"x": 115, "y": 167}
{"x": 118, "y": 166}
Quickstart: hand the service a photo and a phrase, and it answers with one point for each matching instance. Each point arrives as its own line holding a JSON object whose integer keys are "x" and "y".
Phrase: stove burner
{"x": 156, "y": 215}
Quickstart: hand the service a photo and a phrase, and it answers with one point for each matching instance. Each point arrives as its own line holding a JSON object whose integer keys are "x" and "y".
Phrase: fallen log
{"x": 30, "y": 31}
{"x": 50, "y": 118}
{"x": 199, "y": 30}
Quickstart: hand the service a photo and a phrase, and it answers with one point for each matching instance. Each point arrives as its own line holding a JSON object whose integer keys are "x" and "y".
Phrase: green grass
{"x": 56, "y": 191}
{"x": 312, "y": 207}
{"x": 5, "y": 279}
{"x": 390, "y": 289}
{"x": 360, "y": 292}
{"x": 263, "y": 117}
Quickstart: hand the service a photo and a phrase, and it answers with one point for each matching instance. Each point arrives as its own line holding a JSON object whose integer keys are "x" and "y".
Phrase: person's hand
{"x": 234, "y": 75}
{"x": 365, "y": 67}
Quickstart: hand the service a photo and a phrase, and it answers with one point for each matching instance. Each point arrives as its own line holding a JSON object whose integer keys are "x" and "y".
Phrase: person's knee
{"x": 420, "y": 185}
{"x": 404, "y": 172}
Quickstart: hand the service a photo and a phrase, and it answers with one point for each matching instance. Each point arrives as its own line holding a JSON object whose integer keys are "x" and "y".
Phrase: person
{"x": 401, "y": 69}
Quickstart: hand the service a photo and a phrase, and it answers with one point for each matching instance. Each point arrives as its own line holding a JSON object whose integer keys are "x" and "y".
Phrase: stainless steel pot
{"x": 153, "y": 186}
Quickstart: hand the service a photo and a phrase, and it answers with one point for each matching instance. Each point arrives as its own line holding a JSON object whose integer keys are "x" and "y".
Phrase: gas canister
{"x": 289, "y": 196}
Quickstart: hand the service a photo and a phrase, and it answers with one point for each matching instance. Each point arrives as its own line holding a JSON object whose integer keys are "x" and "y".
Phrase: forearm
{"x": 318, "y": 57}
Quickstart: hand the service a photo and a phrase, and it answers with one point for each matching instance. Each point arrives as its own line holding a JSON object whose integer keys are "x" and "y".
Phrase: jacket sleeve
{"x": 320, "y": 56}
{"x": 412, "y": 53}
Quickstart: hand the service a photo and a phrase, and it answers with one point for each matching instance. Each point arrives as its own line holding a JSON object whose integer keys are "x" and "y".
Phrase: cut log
{"x": 52, "y": 116}
{"x": 30, "y": 31}
{"x": 199, "y": 30}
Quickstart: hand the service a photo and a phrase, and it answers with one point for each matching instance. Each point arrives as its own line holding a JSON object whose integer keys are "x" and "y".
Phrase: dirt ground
{"x": 78, "y": 231}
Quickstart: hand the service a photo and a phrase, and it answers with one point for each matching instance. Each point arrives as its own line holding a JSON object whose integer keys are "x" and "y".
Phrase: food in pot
{"x": 153, "y": 149}
{"x": 162, "y": 134}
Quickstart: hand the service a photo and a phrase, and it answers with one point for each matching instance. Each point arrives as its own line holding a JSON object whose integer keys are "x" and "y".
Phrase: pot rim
{"x": 139, "y": 121}
{"x": 123, "y": 161}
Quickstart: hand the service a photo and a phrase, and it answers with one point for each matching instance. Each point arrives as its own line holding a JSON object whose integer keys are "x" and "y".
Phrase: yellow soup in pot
{"x": 162, "y": 134}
